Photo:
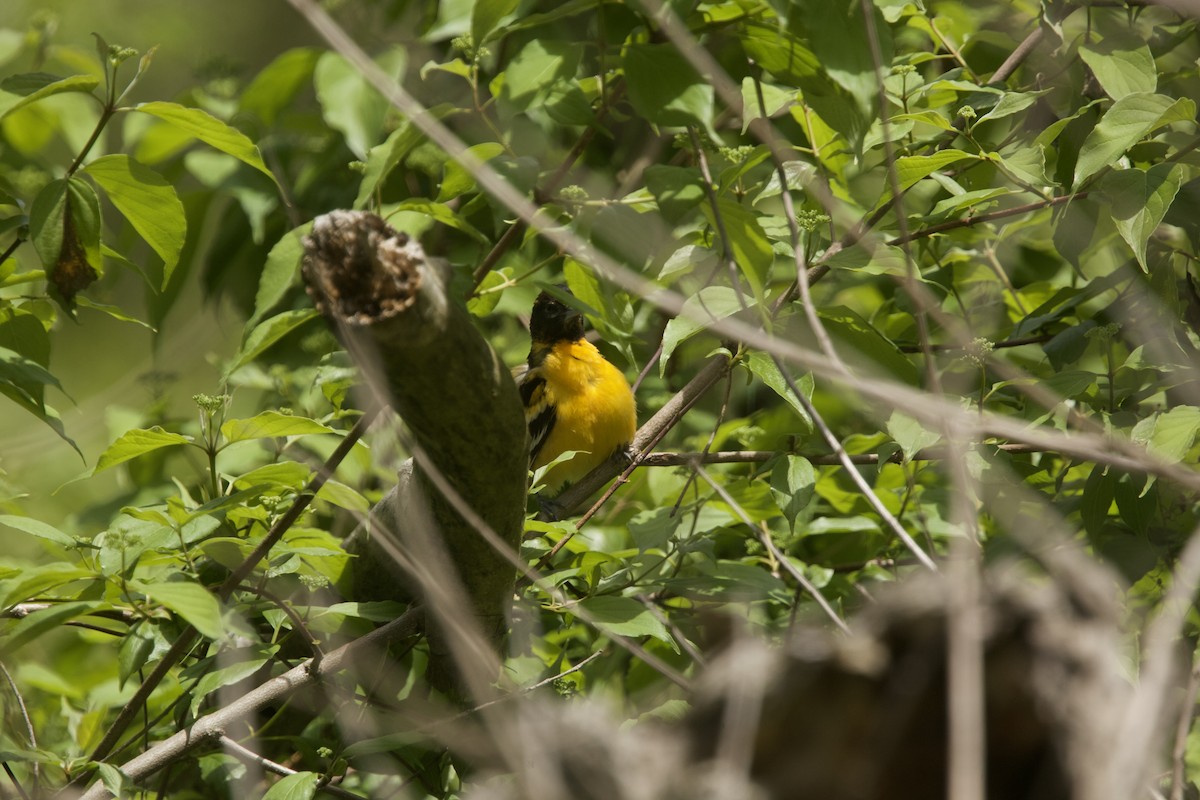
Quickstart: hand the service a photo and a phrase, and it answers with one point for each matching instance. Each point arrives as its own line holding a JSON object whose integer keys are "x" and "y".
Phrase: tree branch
{"x": 188, "y": 638}
{"x": 210, "y": 728}
{"x": 418, "y": 348}
{"x": 646, "y": 438}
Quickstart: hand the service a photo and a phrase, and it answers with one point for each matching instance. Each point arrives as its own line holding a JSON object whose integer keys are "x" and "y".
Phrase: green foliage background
{"x": 1021, "y": 249}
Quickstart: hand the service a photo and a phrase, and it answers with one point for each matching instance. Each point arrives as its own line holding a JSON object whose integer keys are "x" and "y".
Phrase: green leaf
{"x": 751, "y": 249}
{"x": 793, "y": 483}
{"x": 267, "y": 333}
{"x": 42, "y": 622}
{"x": 112, "y": 311}
{"x": 780, "y": 53}
{"x": 486, "y": 16}
{"x": 910, "y": 434}
{"x": 135, "y": 650}
{"x": 280, "y": 273}
{"x": 775, "y": 99}
{"x": 710, "y": 304}
{"x": 677, "y": 190}
{"x": 862, "y": 345}
{"x": 664, "y": 88}
{"x": 248, "y": 662}
{"x": 299, "y": 786}
{"x": 349, "y": 103}
{"x": 135, "y": 443}
{"x": 762, "y": 365}
{"x": 22, "y": 373}
{"x": 972, "y": 201}
{"x": 624, "y": 616}
{"x": 36, "y": 528}
{"x": 1122, "y": 68}
{"x": 841, "y": 42}
{"x": 1097, "y": 499}
{"x": 33, "y": 581}
{"x": 115, "y": 781}
{"x": 1123, "y": 125}
{"x": 1174, "y": 432}
{"x": 1140, "y": 199}
{"x": 191, "y": 601}
{"x": 1012, "y": 103}
{"x": 540, "y": 64}
{"x": 487, "y": 295}
{"x": 208, "y": 129}
{"x": 881, "y": 260}
{"x": 278, "y": 83}
{"x": 455, "y": 178}
{"x": 910, "y": 169}
{"x": 686, "y": 259}
{"x": 287, "y": 474}
{"x": 440, "y": 212}
{"x": 383, "y": 158}
{"x": 566, "y": 103}
{"x": 18, "y": 91}
{"x": 64, "y": 225}
{"x": 270, "y": 424}
{"x": 46, "y": 218}
{"x": 342, "y": 496}
{"x": 148, "y": 201}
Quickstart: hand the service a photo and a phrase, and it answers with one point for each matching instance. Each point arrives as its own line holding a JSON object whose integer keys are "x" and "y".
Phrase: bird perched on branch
{"x": 574, "y": 399}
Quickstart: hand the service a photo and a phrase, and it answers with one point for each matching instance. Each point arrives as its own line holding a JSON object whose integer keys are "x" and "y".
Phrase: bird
{"x": 575, "y": 400}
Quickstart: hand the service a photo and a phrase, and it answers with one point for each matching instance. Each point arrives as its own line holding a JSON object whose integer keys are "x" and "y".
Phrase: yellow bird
{"x": 574, "y": 398}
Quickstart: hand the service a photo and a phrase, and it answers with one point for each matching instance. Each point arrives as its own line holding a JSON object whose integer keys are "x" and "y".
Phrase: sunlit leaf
{"x": 664, "y": 88}
{"x": 1123, "y": 124}
{"x": 191, "y": 601}
{"x": 267, "y": 333}
{"x": 136, "y": 443}
{"x": 270, "y": 424}
{"x": 625, "y": 616}
{"x": 208, "y": 129}
{"x": 18, "y": 91}
{"x": 1140, "y": 199}
{"x": 148, "y": 201}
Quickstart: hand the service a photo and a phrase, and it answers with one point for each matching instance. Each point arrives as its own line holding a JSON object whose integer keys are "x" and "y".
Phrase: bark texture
{"x": 390, "y": 307}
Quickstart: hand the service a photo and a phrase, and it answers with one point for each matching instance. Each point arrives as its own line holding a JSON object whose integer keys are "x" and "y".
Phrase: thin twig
{"x": 976, "y": 219}
{"x": 778, "y": 554}
{"x": 506, "y": 241}
{"x": 1018, "y": 55}
{"x": 523, "y": 691}
{"x": 921, "y": 406}
{"x": 186, "y": 639}
{"x": 1187, "y": 713}
{"x": 241, "y": 751}
{"x": 212, "y": 726}
{"x": 29, "y": 730}
{"x": 444, "y": 487}
{"x": 854, "y": 474}
{"x": 820, "y": 460}
{"x": 12, "y": 777}
{"x": 1142, "y": 720}
{"x": 12, "y": 248}
{"x": 647, "y": 436}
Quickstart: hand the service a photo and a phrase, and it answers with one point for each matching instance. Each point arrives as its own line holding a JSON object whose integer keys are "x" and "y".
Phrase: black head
{"x": 554, "y": 321}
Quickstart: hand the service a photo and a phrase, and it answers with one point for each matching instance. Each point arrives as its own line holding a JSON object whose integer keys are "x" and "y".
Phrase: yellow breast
{"x": 595, "y": 410}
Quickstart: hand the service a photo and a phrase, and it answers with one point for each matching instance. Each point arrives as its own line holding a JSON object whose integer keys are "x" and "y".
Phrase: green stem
{"x": 18, "y": 278}
{"x": 1112, "y": 392}
{"x": 105, "y": 116}
{"x": 7, "y": 254}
